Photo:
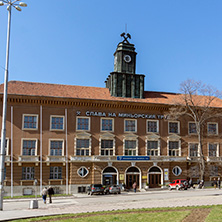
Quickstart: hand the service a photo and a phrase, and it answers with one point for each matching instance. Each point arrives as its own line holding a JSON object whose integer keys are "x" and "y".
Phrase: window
{"x": 130, "y": 126}
{"x": 82, "y": 171}
{"x": 107, "y": 125}
{"x": 213, "y": 149}
{"x": 177, "y": 171}
{"x": 29, "y": 147}
{"x": 83, "y": 123}
{"x": 106, "y": 147}
{"x": 56, "y": 147}
{"x": 152, "y": 126}
{"x": 193, "y": 148}
{"x": 130, "y": 147}
{"x": 6, "y": 146}
{"x": 57, "y": 123}
{"x": 30, "y": 121}
{"x": 192, "y": 128}
{"x": 152, "y": 148}
{"x": 28, "y": 173}
{"x": 173, "y": 127}
{"x": 212, "y": 128}
{"x": 56, "y": 172}
{"x": 174, "y": 148}
{"x": 82, "y": 147}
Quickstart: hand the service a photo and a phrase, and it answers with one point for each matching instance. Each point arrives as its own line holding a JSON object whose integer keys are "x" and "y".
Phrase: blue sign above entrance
{"x": 133, "y": 158}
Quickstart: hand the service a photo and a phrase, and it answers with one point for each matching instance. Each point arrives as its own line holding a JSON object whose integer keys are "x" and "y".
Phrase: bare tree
{"x": 200, "y": 102}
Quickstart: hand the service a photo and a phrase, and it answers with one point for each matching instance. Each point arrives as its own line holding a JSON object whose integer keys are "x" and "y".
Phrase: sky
{"x": 72, "y": 42}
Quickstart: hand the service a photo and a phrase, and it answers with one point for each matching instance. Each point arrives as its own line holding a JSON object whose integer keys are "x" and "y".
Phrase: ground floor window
{"x": 56, "y": 172}
{"x": 28, "y": 173}
{"x": 177, "y": 171}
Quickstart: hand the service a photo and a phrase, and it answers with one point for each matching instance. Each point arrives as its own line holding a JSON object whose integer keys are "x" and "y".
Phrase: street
{"x": 83, "y": 203}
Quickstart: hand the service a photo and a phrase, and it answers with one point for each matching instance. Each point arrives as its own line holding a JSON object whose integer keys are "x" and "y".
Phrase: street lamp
{"x": 16, "y": 4}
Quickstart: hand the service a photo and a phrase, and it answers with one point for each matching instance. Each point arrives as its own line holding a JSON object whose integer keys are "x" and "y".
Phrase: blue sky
{"x": 72, "y": 42}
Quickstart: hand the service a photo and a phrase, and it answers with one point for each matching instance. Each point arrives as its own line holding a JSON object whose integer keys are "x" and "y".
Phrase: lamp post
{"x": 16, "y": 4}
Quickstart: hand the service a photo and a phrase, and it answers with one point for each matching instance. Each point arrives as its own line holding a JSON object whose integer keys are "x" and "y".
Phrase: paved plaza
{"x": 80, "y": 203}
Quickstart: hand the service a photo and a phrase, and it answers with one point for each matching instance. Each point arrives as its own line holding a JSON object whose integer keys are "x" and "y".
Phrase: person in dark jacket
{"x": 50, "y": 193}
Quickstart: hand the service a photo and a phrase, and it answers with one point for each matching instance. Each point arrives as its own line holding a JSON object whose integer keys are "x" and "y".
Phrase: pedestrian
{"x": 215, "y": 183}
{"x": 190, "y": 183}
{"x": 44, "y": 194}
{"x": 50, "y": 193}
{"x": 134, "y": 187}
{"x": 219, "y": 182}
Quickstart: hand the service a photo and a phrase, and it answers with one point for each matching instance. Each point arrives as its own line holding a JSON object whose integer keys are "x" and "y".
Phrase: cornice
{"x": 57, "y": 101}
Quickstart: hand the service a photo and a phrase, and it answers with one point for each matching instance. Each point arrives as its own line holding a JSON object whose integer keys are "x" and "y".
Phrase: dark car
{"x": 179, "y": 184}
{"x": 112, "y": 189}
{"x": 95, "y": 188}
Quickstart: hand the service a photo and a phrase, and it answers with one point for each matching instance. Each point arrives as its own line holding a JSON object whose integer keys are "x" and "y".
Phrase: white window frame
{"x": 32, "y": 139}
{"x": 157, "y": 121}
{"x": 158, "y": 147}
{"x": 57, "y": 116}
{"x": 82, "y": 117}
{"x": 180, "y": 171}
{"x": 7, "y": 146}
{"x": 124, "y": 145}
{"x": 189, "y": 149}
{"x": 82, "y": 167}
{"x": 168, "y": 147}
{"x": 212, "y": 134}
{"x": 55, "y": 173}
{"x": 189, "y": 128}
{"x": 23, "y": 121}
{"x": 83, "y": 136}
{"x": 100, "y": 146}
{"x": 102, "y": 125}
{"x": 28, "y": 173}
{"x": 178, "y": 122}
{"x": 125, "y": 125}
{"x": 56, "y": 140}
{"x": 208, "y": 150}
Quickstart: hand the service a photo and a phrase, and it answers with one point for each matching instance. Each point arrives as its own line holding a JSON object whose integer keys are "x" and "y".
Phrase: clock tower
{"x": 124, "y": 82}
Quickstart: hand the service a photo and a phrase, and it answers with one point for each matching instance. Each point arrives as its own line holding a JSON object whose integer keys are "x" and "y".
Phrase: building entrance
{"x": 154, "y": 177}
{"x": 132, "y": 175}
{"x": 109, "y": 176}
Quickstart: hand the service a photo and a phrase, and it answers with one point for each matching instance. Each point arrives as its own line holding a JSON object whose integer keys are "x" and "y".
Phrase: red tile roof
{"x": 83, "y": 92}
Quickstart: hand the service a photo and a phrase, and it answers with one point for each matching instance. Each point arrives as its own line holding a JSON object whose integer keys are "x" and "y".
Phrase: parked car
{"x": 95, "y": 189}
{"x": 179, "y": 184}
{"x": 112, "y": 189}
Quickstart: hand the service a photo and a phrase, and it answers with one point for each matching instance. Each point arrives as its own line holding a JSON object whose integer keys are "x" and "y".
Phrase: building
{"x": 71, "y": 136}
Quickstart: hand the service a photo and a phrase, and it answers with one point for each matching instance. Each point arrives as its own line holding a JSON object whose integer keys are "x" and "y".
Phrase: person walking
{"x": 219, "y": 182}
{"x": 50, "y": 193}
{"x": 44, "y": 194}
{"x": 134, "y": 187}
{"x": 215, "y": 183}
{"x": 190, "y": 183}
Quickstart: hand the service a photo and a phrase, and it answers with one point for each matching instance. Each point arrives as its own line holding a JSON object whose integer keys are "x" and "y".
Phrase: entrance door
{"x": 154, "y": 180}
{"x": 130, "y": 179}
{"x": 109, "y": 176}
{"x": 154, "y": 177}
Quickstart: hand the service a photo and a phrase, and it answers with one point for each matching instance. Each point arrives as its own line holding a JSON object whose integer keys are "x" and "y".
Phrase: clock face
{"x": 127, "y": 58}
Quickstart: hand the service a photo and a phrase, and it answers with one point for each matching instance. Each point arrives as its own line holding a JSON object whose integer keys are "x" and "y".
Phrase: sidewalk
{"x": 81, "y": 203}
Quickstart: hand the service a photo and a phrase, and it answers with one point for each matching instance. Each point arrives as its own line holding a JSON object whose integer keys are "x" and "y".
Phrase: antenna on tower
{"x": 126, "y": 28}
